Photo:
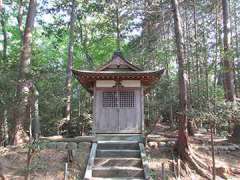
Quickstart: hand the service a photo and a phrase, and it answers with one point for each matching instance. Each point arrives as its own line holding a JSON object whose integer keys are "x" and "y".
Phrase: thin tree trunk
{"x": 227, "y": 57}
{"x": 4, "y": 32}
{"x": 237, "y": 82}
{"x": 215, "y": 62}
{"x": 196, "y": 48}
{"x": 205, "y": 55}
{"x": 24, "y": 85}
{"x": 34, "y": 128}
{"x": 117, "y": 25}
{"x": 20, "y": 18}
{"x": 1, "y": 166}
{"x": 30, "y": 155}
{"x": 1, "y": 5}
{"x": 5, "y": 127}
{"x": 84, "y": 39}
{"x": 213, "y": 155}
{"x": 35, "y": 123}
{"x": 236, "y": 30}
{"x": 80, "y": 120}
{"x": 148, "y": 25}
{"x": 70, "y": 63}
{"x": 1, "y": 129}
{"x": 188, "y": 62}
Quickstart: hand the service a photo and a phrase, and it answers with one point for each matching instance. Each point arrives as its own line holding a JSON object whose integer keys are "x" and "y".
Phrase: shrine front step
{"x": 120, "y": 137}
{"x": 106, "y": 162}
{"x": 118, "y": 171}
{"x": 115, "y": 160}
{"x": 119, "y": 145}
{"x": 118, "y": 153}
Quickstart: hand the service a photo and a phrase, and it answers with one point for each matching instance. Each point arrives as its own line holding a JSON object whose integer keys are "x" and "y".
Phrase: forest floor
{"x": 48, "y": 164}
{"x": 159, "y": 148}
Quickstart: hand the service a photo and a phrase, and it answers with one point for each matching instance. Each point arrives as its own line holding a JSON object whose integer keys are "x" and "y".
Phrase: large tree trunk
{"x": 182, "y": 75}
{"x": 228, "y": 62}
{"x": 70, "y": 64}
{"x": 24, "y": 84}
{"x": 3, "y": 56}
{"x": 227, "y": 57}
{"x": 182, "y": 144}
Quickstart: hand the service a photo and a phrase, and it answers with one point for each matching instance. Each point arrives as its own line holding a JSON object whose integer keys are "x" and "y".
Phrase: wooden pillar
{"x": 142, "y": 108}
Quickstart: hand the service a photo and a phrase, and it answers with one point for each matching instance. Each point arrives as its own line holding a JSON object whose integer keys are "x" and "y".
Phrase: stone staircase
{"x": 117, "y": 160}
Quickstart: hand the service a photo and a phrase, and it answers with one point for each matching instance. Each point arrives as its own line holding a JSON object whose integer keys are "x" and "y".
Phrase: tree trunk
{"x": 1, "y": 169}
{"x": 4, "y": 32}
{"x": 182, "y": 145}
{"x": 196, "y": 49}
{"x": 187, "y": 57}
{"x": 80, "y": 120}
{"x": 5, "y": 128}
{"x": 1, "y": 129}
{"x": 24, "y": 84}
{"x": 183, "y": 135}
{"x": 30, "y": 155}
{"x": 205, "y": 61}
{"x": 117, "y": 26}
{"x": 70, "y": 63}
{"x": 20, "y": 18}
{"x": 215, "y": 62}
{"x": 148, "y": 25}
{"x": 3, "y": 114}
{"x": 35, "y": 122}
{"x": 213, "y": 155}
{"x": 237, "y": 81}
{"x": 227, "y": 57}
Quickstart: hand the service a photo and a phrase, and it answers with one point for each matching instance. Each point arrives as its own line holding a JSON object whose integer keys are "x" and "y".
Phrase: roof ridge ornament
{"x": 118, "y": 53}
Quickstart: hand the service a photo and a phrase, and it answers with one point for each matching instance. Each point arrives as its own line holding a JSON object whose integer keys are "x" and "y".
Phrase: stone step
{"x": 119, "y": 178}
{"x": 120, "y": 137}
{"x": 118, "y": 145}
{"x": 118, "y": 153}
{"x": 118, "y": 171}
{"x": 134, "y": 162}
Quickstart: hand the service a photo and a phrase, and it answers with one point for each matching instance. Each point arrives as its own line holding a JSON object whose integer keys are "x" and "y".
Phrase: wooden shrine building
{"x": 118, "y": 88}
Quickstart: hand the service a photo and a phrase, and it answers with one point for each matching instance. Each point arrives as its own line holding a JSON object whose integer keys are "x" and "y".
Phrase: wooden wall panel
{"x": 119, "y": 119}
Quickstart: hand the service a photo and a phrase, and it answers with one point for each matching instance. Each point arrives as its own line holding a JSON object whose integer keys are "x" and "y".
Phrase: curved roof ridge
{"x": 116, "y": 59}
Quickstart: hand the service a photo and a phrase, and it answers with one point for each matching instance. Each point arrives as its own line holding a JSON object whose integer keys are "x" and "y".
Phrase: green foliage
{"x": 153, "y": 174}
{"x": 36, "y": 145}
{"x": 218, "y": 115}
{"x": 147, "y": 40}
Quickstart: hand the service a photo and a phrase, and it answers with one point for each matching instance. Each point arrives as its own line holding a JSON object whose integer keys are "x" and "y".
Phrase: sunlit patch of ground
{"x": 49, "y": 163}
{"x": 46, "y": 165}
{"x": 227, "y": 155}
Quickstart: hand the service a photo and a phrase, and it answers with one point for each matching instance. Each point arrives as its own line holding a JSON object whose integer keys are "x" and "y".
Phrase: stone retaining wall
{"x": 80, "y": 152}
{"x": 62, "y": 146}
